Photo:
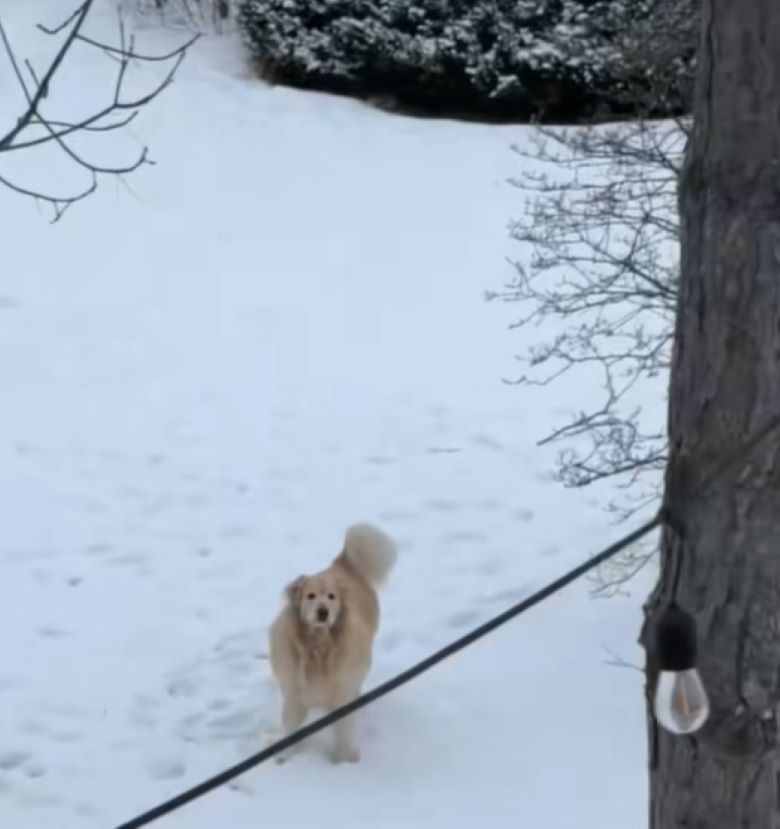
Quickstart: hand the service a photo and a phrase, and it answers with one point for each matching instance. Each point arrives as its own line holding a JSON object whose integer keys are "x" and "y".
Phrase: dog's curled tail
{"x": 370, "y": 552}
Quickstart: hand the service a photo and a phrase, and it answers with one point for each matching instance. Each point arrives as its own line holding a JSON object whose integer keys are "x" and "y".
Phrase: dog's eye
{"x": 311, "y": 597}
{"x": 332, "y": 596}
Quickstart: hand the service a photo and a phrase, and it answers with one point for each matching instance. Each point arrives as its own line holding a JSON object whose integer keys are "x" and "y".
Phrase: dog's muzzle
{"x": 322, "y": 614}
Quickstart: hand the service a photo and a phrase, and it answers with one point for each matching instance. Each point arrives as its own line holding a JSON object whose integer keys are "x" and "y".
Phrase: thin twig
{"x": 117, "y": 114}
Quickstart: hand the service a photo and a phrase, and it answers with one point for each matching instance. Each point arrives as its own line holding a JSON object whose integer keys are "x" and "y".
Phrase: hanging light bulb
{"x": 681, "y": 705}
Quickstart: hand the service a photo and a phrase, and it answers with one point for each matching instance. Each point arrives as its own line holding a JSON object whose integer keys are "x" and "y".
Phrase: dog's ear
{"x": 293, "y": 590}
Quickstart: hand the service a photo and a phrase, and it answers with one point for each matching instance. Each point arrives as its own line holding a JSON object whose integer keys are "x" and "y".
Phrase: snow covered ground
{"x": 203, "y": 379}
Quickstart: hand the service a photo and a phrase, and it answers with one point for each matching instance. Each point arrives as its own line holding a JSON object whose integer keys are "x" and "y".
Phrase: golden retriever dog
{"x": 321, "y": 642}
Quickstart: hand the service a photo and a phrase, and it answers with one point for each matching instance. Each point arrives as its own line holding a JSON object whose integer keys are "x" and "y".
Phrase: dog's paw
{"x": 345, "y": 755}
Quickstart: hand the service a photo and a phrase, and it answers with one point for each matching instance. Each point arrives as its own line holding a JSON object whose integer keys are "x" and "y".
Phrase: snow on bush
{"x": 558, "y": 59}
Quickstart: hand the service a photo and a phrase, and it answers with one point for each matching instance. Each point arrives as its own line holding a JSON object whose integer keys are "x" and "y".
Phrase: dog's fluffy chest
{"x": 319, "y": 669}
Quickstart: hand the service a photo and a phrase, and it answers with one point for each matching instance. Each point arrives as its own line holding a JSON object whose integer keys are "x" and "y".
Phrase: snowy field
{"x": 204, "y": 377}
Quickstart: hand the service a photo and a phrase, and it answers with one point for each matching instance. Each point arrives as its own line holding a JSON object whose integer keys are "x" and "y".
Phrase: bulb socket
{"x": 676, "y": 640}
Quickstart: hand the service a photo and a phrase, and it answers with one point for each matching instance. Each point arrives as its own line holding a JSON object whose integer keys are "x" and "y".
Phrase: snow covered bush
{"x": 507, "y": 59}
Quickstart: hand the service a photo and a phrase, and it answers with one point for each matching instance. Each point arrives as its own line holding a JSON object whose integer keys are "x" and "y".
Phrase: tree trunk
{"x": 725, "y": 385}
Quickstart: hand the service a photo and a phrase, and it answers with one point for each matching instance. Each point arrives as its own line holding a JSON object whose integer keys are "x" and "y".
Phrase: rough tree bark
{"x": 725, "y": 385}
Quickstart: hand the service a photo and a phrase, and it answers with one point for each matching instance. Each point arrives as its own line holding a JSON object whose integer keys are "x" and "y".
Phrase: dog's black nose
{"x": 322, "y": 614}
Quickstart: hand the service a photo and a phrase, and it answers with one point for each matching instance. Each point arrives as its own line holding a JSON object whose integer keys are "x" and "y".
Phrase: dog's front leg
{"x": 344, "y": 748}
{"x": 294, "y": 714}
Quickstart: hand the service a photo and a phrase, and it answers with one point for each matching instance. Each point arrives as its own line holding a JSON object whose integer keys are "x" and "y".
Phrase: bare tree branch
{"x": 600, "y": 236}
{"x": 600, "y": 262}
{"x": 59, "y": 203}
{"x": 114, "y": 116}
{"x": 617, "y": 661}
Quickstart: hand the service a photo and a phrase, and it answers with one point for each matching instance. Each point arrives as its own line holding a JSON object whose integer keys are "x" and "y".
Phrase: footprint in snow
{"x": 98, "y": 548}
{"x": 128, "y": 560}
{"x": 35, "y": 770}
{"x": 463, "y": 618}
{"x": 510, "y": 596}
{"x": 182, "y": 688}
{"x": 380, "y": 460}
{"x": 488, "y": 442}
{"x": 10, "y": 760}
{"x": 166, "y": 769}
{"x": 232, "y": 724}
{"x": 53, "y": 633}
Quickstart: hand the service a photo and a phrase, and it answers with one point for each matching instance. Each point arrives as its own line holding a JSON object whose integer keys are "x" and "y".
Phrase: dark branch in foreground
{"x": 34, "y": 129}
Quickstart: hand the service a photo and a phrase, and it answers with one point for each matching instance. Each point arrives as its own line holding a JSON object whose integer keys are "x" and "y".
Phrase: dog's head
{"x": 319, "y": 600}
